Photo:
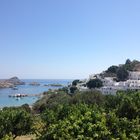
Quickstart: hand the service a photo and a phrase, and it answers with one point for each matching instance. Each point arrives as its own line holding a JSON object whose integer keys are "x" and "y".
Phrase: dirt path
{"x": 25, "y": 138}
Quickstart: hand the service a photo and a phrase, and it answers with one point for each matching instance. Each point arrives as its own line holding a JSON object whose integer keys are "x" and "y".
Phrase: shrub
{"x": 94, "y": 83}
{"x": 15, "y": 121}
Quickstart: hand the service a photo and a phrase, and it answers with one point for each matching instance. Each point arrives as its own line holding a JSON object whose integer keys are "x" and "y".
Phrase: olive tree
{"x": 94, "y": 83}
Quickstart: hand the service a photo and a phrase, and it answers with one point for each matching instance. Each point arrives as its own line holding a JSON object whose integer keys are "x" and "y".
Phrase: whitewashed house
{"x": 94, "y": 76}
{"x": 111, "y": 87}
{"x": 134, "y": 75}
{"x": 108, "y": 81}
{"x": 108, "y": 90}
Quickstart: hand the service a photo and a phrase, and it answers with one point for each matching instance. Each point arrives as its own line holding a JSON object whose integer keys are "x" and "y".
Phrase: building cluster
{"x": 110, "y": 86}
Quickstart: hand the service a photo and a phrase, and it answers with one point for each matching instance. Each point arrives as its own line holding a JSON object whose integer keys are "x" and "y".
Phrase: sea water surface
{"x": 6, "y": 101}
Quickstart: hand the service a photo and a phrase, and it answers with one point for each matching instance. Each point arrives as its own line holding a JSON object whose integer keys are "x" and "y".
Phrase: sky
{"x": 66, "y": 39}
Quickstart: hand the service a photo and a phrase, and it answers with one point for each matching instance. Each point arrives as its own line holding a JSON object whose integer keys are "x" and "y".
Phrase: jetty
{"x": 25, "y": 95}
{"x": 18, "y": 95}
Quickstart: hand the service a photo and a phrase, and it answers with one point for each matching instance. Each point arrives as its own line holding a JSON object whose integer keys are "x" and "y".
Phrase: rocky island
{"x": 54, "y": 85}
{"x": 34, "y": 84}
{"x": 10, "y": 83}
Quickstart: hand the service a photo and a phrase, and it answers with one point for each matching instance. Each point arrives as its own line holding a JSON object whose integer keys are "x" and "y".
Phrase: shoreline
{"x": 33, "y": 92}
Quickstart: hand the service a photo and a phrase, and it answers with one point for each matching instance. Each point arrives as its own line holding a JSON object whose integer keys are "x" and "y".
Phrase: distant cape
{"x": 12, "y": 82}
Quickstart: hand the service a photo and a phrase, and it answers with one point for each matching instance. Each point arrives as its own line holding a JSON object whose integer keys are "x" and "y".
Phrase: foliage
{"x": 129, "y": 105}
{"x": 122, "y": 74}
{"x": 112, "y": 69}
{"x": 73, "y": 89}
{"x": 89, "y": 122}
{"x": 8, "y": 137}
{"x": 54, "y": 100}
{"x": 91, "y": 97}
{"x": 26, "y": 107}
{"x": 38, "y": 126}
{"x": 94, "y": 83}
{"x": 40, "y": 105}
{"x": 14, "y": 121}
{"x": 126, "y": 104}
{"x": 129, "y": 65}
{"x": 83, "y": 115}
{"x": 113, "y": 117}
{"x": 77, "y": 122}
{"x": 75, "y": 82}
{"x": 51, "y": 101}
{"x": 64, "y": 90}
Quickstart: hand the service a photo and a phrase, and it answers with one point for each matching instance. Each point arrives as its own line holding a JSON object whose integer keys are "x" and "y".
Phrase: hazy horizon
{"x": 59, "y": 39}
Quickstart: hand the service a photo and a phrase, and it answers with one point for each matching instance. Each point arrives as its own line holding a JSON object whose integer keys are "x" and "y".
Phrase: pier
{"x": 25, "y": 95}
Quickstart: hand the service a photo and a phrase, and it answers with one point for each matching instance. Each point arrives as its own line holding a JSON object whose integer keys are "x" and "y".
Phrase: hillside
{"x": 128, "y": 66}
{"x": 137, "y": 67}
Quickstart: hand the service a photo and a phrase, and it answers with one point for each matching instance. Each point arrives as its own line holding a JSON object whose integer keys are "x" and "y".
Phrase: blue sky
{"x": 66, "y": 39}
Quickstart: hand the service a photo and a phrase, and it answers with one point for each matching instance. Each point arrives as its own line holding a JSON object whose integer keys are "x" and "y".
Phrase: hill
{"x": 9, "y": 83}
{"x": 128, "y": 66}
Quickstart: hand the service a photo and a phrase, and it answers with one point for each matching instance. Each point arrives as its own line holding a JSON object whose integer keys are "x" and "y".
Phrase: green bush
{"x": 15, "y": 121}
{"x": 94, "y": 83}
{"x": 83, "y": 121}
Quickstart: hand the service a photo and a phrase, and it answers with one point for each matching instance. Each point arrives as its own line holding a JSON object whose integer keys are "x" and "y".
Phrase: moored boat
{"x": 18, "y": 95}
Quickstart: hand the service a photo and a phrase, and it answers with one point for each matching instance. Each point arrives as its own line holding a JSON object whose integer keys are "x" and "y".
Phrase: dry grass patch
{"x": 28, "y": 137}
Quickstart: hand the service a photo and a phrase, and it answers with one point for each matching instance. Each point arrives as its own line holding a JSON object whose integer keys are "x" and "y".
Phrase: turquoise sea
{"x": 6, "y": 101}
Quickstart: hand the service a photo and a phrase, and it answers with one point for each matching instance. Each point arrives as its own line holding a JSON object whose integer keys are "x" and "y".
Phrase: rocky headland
{"x": 10, "y": 83}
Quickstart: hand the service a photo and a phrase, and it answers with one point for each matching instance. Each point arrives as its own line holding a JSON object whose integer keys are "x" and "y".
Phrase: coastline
{"x": 34, "y": 92}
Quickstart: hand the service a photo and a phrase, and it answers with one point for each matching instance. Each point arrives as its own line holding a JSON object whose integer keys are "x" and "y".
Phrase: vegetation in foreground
{"x": 81, "y": 116}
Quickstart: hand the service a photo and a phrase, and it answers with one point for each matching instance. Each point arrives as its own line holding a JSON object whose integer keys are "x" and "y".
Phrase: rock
{"x": 11, "y": 83}
{"x": 15, "y": 81}
{"x": 34, "y": 84}
{"x": 54, "y": 85}
{"x": 46, "y": 85}
{"x": 6, "y": 85}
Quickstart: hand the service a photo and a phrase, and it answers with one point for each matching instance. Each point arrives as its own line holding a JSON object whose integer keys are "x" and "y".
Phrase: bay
{"x": 5, "y": 101}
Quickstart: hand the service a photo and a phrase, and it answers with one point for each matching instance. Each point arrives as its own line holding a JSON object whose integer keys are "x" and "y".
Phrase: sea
{"x": 6, "y": 101}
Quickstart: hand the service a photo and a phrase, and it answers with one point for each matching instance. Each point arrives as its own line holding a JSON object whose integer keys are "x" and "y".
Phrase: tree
{"x": 112, "y": 69}
{"x": 128, "y": 65}
{"x": 94, "y": 83}
{"x": 128, "y": 62}
{"x": 75, "y": 82}
{"x": 122, "y": 74}
{"x": 15, "y": 121}
{"x": 82, "y": 121}
{"x": 129, "y": 104}
{"x": 73, "y": 89}
{"x": 26, "y": 107}
{"x": 117, "y": 119}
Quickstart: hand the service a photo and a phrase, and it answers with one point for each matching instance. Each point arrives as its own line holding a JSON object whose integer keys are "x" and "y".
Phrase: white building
{"x": 111, "y": 87}
{"x": 108, "y": 81}
{"x": 108, "y": 90}
{"x": 134, "y": 75}
{"x": 94, "y": 76}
